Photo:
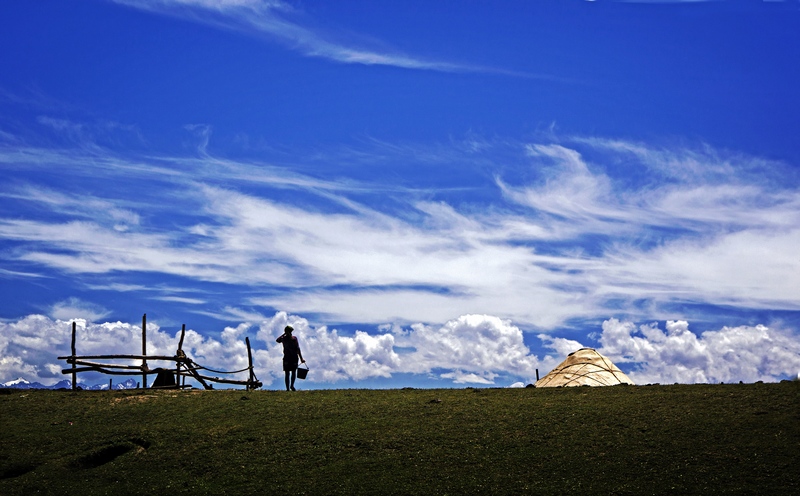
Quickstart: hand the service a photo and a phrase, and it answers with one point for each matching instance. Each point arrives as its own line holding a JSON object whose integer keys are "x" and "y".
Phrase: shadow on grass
{"x": 16, "y": 471}
{"x": 108, "y": 454}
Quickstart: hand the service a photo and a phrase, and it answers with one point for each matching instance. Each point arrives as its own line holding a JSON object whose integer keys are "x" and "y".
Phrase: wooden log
{"x": 130, "y": 369}
{"x": 74, "y": 373}
{"x": 222, "y": 381}
{"x": 203, "y": 378}
{"x": 98, "y": 369}
{"x": 200, "y": 367}
{"x": 108, "y": 365}
{"x": 126, "y": 357}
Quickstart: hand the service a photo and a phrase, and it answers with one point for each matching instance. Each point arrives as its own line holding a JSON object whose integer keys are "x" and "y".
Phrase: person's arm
{"x": 299, "y": 353}
{"x": 280, "y": 338}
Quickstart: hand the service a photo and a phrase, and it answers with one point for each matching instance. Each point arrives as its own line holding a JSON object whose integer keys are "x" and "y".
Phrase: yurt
{"x": 585, "y": 367}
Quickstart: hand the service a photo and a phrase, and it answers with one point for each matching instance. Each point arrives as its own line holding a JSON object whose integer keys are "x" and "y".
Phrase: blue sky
{"x": 434, "y": 194}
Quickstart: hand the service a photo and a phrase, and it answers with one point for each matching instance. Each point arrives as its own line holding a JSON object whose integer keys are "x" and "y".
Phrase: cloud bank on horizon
{"x": 247, "y": 163}
{"x": 470, "y": 350}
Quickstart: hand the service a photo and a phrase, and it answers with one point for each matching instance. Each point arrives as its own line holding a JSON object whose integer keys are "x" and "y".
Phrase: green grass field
{"x": 698, "y": 439}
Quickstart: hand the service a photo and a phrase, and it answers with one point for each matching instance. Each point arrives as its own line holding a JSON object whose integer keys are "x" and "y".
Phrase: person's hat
{"x": 288, "y": 329}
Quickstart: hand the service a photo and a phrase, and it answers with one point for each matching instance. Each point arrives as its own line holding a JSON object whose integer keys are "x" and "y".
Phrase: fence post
{"x": 74, "y": 374}
{"x": 144, "y": 351}
{"x": 179, "y": 354}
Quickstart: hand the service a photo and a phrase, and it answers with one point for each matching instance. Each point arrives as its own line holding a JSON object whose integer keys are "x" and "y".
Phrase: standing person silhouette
{"x": 291, "y": 352}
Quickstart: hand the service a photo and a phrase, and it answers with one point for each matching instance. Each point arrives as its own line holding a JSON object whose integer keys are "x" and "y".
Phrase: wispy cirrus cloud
{"x": 711, "y": 231}
{"x": 576, "y": 240}
{"x": 271, "y": 18}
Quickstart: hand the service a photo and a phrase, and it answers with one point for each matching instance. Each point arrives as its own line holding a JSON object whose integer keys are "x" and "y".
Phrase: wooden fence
{"x": 172, "y": 377}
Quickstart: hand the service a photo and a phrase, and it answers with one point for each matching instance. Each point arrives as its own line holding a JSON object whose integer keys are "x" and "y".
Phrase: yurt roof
{"x": 585, "y": 367}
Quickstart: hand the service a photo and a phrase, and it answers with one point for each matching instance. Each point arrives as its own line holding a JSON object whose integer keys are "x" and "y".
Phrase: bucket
{"x": 302, "y": 373}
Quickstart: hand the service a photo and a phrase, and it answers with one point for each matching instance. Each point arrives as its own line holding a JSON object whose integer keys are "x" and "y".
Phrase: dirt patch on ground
{"x": 132, "y": 399}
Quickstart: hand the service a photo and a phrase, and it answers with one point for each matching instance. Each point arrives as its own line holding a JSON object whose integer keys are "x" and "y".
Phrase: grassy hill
{"x": 699, "y": 439}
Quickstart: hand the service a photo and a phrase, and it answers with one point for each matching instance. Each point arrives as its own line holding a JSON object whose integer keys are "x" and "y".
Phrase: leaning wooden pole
{"x": 183, "y": 334}
{"x": 251, "y": 378}
{"x": 74, "y": 373}
{"x": 144, "y": 351}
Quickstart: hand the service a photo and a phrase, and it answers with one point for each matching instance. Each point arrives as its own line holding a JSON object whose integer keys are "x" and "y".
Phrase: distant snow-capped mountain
{"x": 22, "y": 383}
{"x": 19, "y": 382}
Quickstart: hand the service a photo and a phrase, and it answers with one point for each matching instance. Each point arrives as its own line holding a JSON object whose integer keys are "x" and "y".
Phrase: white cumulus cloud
{"x": 473, "y": 349}
{"x": 676, "y": 354}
